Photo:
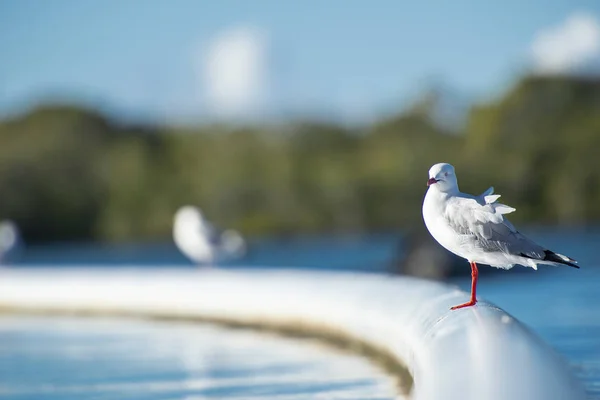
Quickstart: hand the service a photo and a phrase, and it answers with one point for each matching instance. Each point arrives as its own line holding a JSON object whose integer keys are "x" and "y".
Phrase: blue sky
{"x": 351, "y": 59}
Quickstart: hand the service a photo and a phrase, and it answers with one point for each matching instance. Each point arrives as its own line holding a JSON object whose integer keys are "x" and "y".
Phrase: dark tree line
{"x": 68, "y": 173}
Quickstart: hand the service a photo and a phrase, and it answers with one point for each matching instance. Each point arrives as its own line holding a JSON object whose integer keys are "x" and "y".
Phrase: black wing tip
{"x": 559, "y": 258}
{"x": 555, "y": 257}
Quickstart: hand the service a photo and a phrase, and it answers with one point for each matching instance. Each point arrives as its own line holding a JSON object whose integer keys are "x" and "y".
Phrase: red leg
{"x": 473, "y": 301}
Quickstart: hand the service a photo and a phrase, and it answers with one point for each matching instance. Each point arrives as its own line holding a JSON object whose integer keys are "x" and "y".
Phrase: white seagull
{"x": 200, "y": 241}
{"x": 474, "y": 227}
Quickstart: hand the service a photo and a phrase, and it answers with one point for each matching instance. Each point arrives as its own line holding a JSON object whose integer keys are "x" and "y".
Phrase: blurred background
{"x": 303, "y": 133}
{"x": 307, "y": 127}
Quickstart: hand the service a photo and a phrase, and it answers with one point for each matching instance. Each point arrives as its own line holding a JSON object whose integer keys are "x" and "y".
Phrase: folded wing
{"x": 482, "y": 224}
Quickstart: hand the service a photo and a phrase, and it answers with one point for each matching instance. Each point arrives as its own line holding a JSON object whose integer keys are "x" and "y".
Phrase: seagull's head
{"x": 442, "y": 177}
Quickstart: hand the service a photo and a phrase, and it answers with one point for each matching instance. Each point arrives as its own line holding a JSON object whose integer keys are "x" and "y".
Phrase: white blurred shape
{"x": 10, "y": 240}
{"x": 235, "y": 71}
{"x": 567, "y": 46}
{"x": 192, "y": 235}
{"x": 199, "y": 240}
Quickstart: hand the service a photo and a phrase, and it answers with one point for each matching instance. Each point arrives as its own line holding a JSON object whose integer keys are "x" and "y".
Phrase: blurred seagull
{"x": 10, "y": 241}
{"x": 473, "y": 227}
{"x": 199, "y": 240}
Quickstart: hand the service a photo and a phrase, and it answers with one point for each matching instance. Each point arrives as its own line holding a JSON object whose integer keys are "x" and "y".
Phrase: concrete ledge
{"x": 402, "y": 323}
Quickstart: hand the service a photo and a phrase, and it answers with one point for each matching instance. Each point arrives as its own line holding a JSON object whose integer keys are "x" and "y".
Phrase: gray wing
{"x": 484, "y": 227}
{"x": 210, "y": 233}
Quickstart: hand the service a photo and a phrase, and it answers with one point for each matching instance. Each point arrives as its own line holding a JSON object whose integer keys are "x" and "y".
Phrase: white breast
{"x": 438, "y": 227}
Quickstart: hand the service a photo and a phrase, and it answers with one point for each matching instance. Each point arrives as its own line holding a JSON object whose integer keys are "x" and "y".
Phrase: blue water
{"x": 371, "y": 253}
{"x": 561, "y": 305}
{"x": 68, "y": 358}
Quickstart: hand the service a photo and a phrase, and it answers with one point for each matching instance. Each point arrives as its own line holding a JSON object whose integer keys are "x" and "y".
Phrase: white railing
{"x": 477, "y": 353}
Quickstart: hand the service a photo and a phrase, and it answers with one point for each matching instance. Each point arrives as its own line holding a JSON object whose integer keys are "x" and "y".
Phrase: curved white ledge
{"x": 474, "y": 353}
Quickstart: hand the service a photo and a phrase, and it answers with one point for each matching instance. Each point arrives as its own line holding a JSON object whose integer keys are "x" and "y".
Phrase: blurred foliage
{"x": 68, "y": 173}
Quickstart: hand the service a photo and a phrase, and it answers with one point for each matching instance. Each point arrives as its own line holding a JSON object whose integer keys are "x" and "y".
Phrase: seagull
{"x": 474, "y": 228}
{"x": 199, "y": 240}
{"x": 10, "y": 241}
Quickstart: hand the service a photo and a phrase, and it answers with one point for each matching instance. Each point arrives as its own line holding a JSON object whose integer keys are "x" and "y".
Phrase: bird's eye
{"x": 445, "y": 174}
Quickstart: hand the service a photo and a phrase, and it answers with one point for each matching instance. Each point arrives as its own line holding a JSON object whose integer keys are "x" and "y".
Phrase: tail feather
{"x": 488, "y": 192}
{"x": 559, "y": 258}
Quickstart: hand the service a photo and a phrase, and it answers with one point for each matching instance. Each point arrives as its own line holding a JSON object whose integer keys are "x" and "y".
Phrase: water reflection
{"x": 42, "y": 358}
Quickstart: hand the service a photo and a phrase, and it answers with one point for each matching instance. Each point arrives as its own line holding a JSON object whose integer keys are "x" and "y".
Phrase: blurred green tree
{"x": 68, "y": 173}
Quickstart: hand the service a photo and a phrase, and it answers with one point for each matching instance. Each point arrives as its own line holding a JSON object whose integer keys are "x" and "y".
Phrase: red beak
{"x": 431, "y": 181}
